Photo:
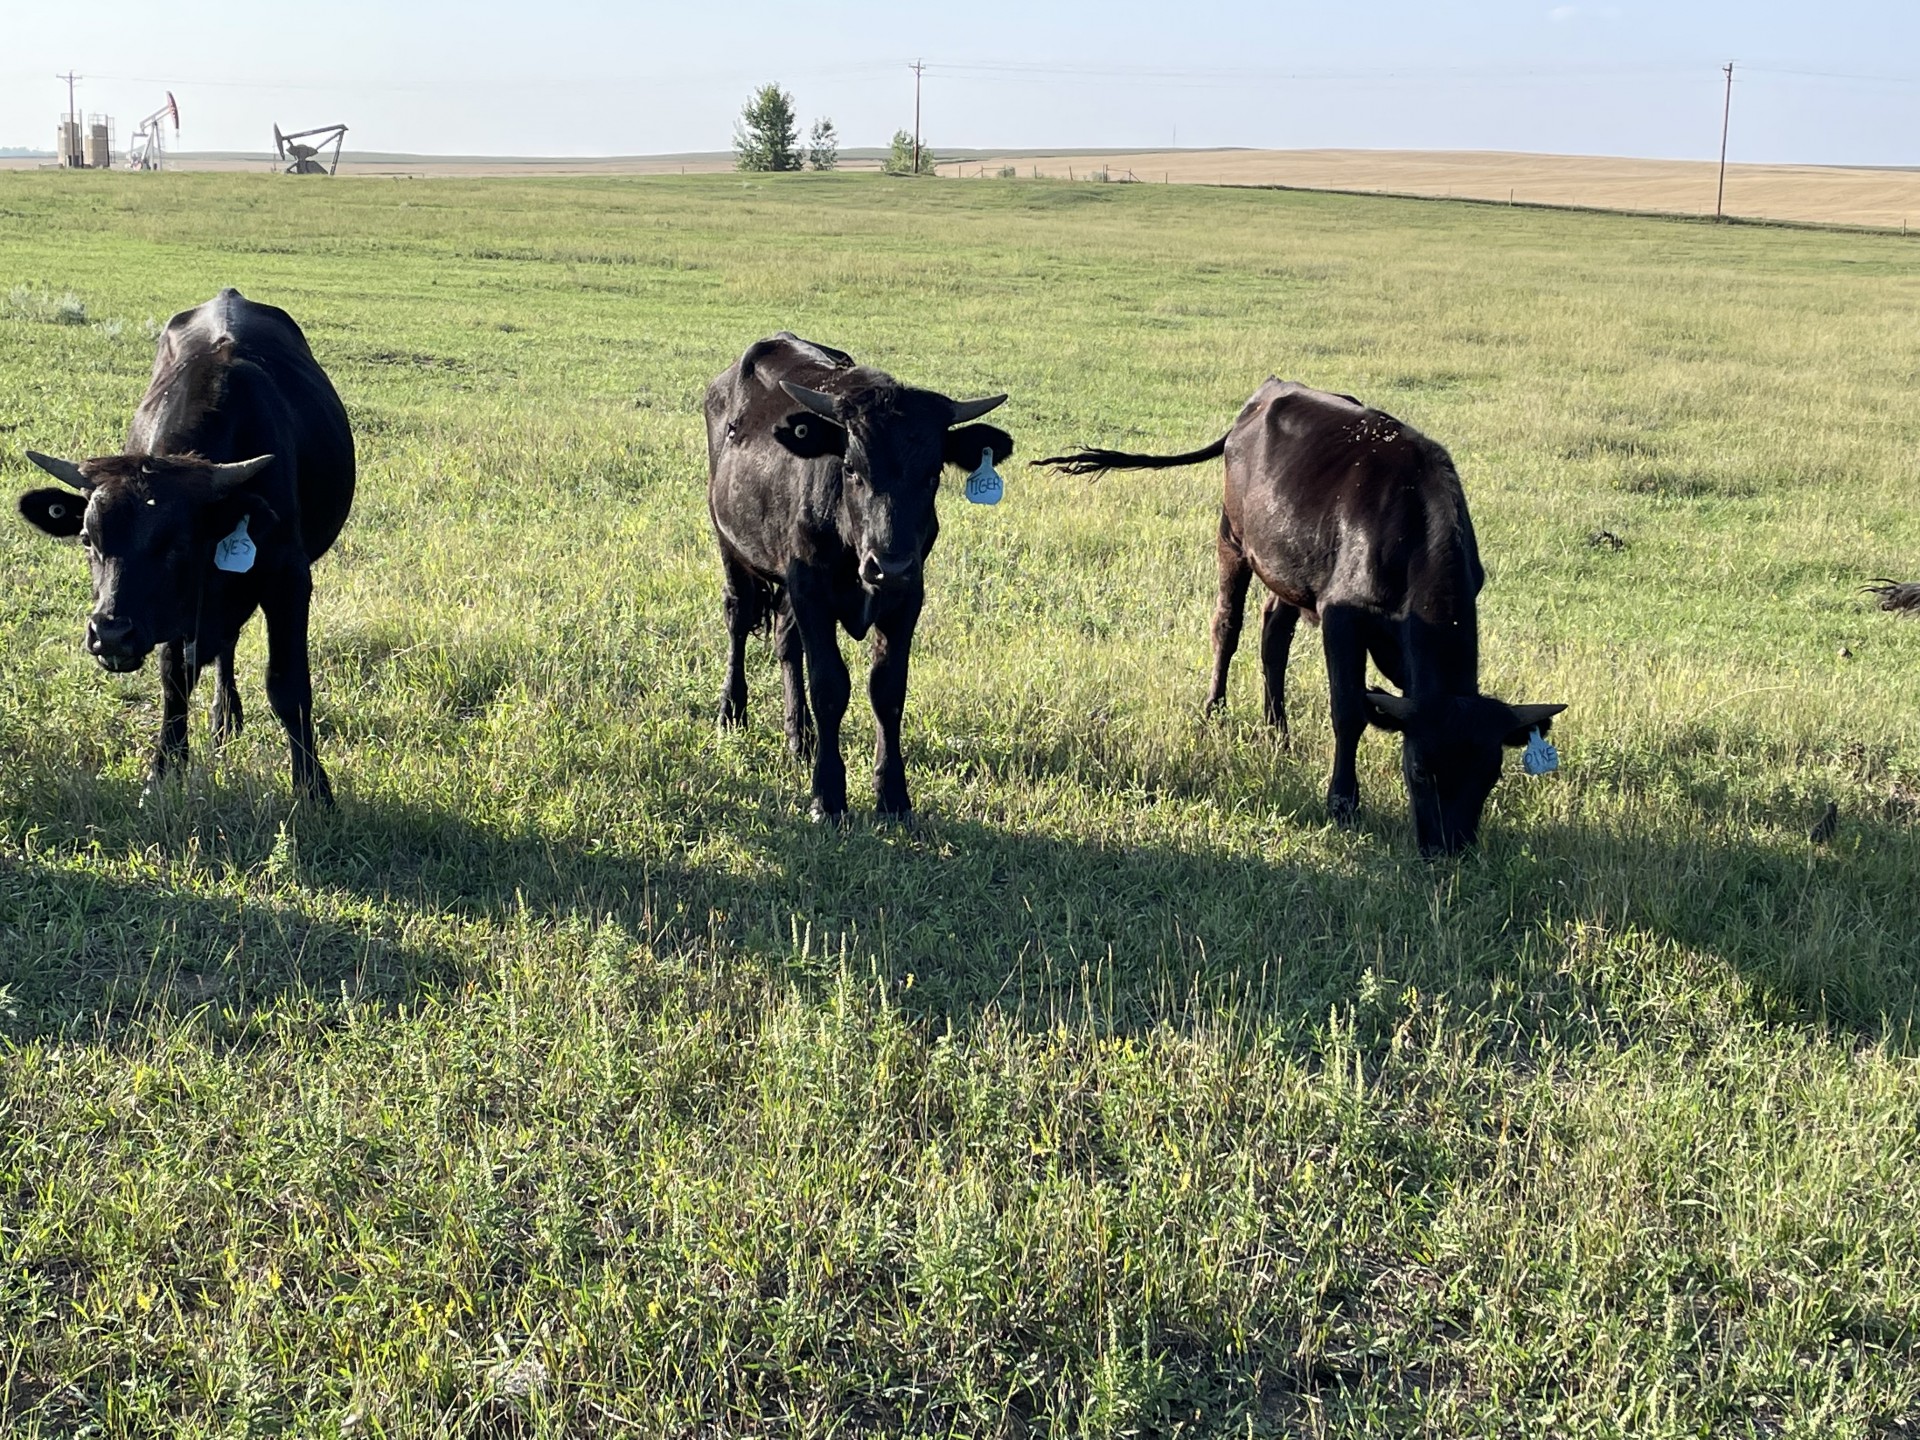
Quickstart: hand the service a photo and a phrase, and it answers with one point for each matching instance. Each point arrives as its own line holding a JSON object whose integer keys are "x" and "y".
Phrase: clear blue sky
{"x": 1833, "y": 83}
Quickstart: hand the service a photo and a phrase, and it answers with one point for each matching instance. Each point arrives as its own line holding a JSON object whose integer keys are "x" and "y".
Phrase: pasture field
{"x": 567, "y": 1082}
{"x": 1878, "y": 198}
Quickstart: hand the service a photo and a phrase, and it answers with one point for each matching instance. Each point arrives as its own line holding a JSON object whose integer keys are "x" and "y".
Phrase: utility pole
{"x": 1726, "y": 114}
{"x": 918, "y": 66}
{"x": 72, "y": 152}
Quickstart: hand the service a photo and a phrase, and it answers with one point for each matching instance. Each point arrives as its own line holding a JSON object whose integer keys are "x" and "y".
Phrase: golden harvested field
{"x": 1819, "y": 193}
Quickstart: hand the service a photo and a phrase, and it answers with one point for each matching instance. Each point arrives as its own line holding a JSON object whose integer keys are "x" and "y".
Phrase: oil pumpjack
{"x": 146, "y": 150}
{"x": 305, "y": 159}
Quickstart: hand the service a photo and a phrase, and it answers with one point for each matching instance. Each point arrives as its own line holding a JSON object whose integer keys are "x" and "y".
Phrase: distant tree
{"x": 823, "y": 145}
{"x": 900, "y": 159}
{"x": 767, "y": 137}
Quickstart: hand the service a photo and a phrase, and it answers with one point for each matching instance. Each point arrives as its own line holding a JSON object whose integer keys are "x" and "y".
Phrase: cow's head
{"x": 1450, "y": 753}
{"x": 892, "y": 441}
{"x": 149, "y": 524}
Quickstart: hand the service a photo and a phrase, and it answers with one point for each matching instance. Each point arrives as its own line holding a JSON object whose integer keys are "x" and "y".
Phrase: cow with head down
{"x": 1358, "y": 522}
{"x": 822, "y": 476}
{"x": 237, "y": 476}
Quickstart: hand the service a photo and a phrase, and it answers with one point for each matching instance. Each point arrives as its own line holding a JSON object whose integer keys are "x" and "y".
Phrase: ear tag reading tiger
{"x": 984, "y": 485}
{"x": 1539, "y": 758}
{"x": 235, "y": 553}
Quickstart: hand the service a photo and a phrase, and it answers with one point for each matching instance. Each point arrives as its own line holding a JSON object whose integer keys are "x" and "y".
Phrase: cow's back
{"x": 1337, "y": 502}
{"x": 233, "y": 379}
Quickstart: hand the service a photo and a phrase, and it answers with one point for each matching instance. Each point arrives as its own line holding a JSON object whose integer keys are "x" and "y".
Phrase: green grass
{"x": 566, "y": 1081}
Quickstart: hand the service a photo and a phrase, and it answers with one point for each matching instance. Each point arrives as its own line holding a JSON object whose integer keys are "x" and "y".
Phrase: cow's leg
{"x": 791, "y": 653}
{"x": 743, "y": 597}
{"x": 828, "y": 682}
{"x": 1347, "y": 696}
{"x": 887, "y": 688}
{"x": 1277, "y": 622}
{"x": 227, "y": 717}
{"x": 290, "y": 686}
{"x": 176, "y": 688}
{"x": 1235, "y": 574}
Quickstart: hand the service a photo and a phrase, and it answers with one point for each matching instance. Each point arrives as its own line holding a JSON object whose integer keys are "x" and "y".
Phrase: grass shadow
{"x": 1547, "y": 930}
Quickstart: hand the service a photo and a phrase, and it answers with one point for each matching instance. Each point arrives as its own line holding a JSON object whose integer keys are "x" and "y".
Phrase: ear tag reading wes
{"x": 1539, "y": 758}
{"x": 984, "y": 485}
{"x": 235, "y": 553}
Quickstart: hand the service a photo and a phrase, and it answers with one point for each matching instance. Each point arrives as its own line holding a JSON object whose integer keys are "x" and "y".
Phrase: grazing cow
{"x": 821, "y": 483}
{"x": 238, "y": 475}
{"x": 1358, "y": 522}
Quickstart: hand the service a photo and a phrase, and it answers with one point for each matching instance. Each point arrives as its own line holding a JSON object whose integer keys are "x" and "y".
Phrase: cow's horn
{"x": 965, "y": 410}
{"x": 818, "y": 403}
{"x": 236, "y": 474}
{"x": 64, "y": 470}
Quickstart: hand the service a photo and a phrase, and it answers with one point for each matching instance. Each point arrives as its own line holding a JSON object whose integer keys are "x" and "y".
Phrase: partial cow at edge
{"x": 822, "y": 476}
{"x": 1359, "y": 523}
{"x": 240, "y": 439}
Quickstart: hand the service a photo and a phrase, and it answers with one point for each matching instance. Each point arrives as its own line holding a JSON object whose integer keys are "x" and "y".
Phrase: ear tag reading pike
{"x": 984, "y": 485}
{"x": 235, "y": 553}
{"x": 1539, "y": 758}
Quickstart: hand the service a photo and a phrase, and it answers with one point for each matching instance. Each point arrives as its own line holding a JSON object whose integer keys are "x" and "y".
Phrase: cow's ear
{"x": 1521, "y": 721}
{"x": 1389, "y": 711}
{"x": 963, "y": 445}
{"x": 220, "y": 517}
{"x": 810, "y": 436}
{"x": 57, "y": 512}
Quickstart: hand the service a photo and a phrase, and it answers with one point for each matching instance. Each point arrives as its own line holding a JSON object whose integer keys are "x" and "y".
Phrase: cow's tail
{"x": 1098, "y": 462}
{"x": 1895, "y": 594}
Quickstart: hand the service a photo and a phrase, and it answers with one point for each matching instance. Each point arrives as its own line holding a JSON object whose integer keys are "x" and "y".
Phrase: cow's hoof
{"x": 821, "y": 815}
{"x": 730, "y": 719}
{"x": 902, "y": 818}
{"x": 1343, "y": 810}
{"x": 316, "y": 791}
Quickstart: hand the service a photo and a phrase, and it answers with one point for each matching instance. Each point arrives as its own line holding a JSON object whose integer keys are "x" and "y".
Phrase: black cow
{"x": 821, "y": 483}
{"x": 1358, "y": 522}
{"x": 240, "y": 438}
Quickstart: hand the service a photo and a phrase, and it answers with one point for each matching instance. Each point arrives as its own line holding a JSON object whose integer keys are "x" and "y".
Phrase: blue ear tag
{"x": 235, "y": 553}
{"x": 1539, "y": 758}
{"x": 984, "y": 486}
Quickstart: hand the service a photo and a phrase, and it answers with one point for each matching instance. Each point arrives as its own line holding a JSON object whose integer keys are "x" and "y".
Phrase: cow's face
{"x": 1451, "y": 754}
{"x": 149, "y": 525}
{"x": 892, "y": 442}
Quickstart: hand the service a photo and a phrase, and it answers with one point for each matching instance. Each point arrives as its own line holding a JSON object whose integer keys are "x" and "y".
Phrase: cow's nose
{"x": 109, "y": 635}
{"x": 878, "y": 573}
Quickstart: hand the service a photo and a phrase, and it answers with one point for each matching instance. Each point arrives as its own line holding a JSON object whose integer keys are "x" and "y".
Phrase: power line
{"x": 1834, "y": 75}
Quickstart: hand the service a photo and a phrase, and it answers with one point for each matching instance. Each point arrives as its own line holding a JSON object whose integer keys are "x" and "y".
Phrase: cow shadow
{"x": 93, "y": 956}
{"x": 1552, "y": 931}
